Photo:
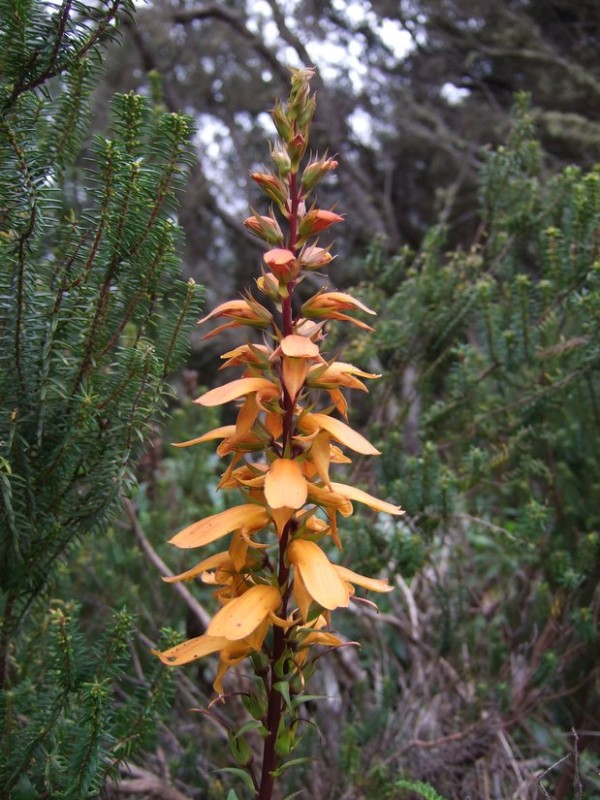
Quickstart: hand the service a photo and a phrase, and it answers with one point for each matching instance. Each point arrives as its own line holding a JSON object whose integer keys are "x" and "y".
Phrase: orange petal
{"x": 297, "y": 346}
{"x": 274, "y": 424}
{"x": 372, "y": 584}
{"x": 235, "y": 389}
{"x": 208, "y": 563}
{"x": 329, "y": 499}
{"x": 301, "y": 596}
{"x": 294, "y": 374}
{"x": 238, "y": 547}
{"x": 320, "y": 637}
{"x": 285, "y": 484}
{"x": 320, "y": 455}
{"x": 247, "y": 415}
{"x": 341, "y": 432}
{"x": 229, "y": 308}
{"x": 338, "y": 301}
{"x": 281, "y": 516}
{"x": 352, "y": 493}
{"x": 250, "y": 517}
{"x": 320, "y": 578}
{"x": 217, "y": 433}
{"x": 240, "y": 617}
{"x": 191, "y": 650}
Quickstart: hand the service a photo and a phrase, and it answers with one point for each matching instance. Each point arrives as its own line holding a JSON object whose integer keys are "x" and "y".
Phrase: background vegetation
{"x": 472, "y": 226}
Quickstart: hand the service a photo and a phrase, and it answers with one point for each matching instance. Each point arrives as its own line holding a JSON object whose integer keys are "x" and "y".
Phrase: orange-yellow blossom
{"x": 329, "y": 585}
{"x": 264, "y": 389}
{"x": 248, "y": 517}
{"x": 241, "y": 312}
{"x": 315, "y": 578}
{"x": 352, "y": 493}
{"x": 235, "y": 631}
{"x": 311, "y": 424}
{"x": 330, "y": 305}
{"x": 212, "y": 562}
{"x": 273, "y": 186}
{"x": 249, "y": 354}
{"x": 297, "y": 351}
{"x": 241, "y": 616}
{"x": 337, "y": 374}
{"x": 316, "y": 171}
{"x": 317, "y": 220}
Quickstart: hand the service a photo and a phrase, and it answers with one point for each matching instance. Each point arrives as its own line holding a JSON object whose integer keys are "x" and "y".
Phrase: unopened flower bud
{"x": 296, "y": 148}
{"x": 314, "y": 257}
{"x": 282, "y": 122}
{"x": 317, "y": 220}
{"x": 316, "y": 171}
{"x": 268, "y": 285}
{"x": 306, "y": 113}
{"x": 281, "y": 159}
{"x": 274, "y": 187}
{"x": 282, "y": 263}
{"x": 266, "y": 228}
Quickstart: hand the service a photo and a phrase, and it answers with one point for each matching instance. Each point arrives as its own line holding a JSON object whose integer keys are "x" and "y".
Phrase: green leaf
{"x": 283, "y": 688}
{"x": 306, "y": 698}
{"x": 294, "y": 762}
{"x": 241, "y": 774}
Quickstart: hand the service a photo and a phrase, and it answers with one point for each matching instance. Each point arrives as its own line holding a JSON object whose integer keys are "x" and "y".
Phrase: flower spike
{"x": 273, "y": 579}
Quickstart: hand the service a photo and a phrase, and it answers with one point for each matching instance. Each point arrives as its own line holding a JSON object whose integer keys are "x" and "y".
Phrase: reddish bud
{"x": 266, "y": 228}
{"x": 274, "y": 187}
{"x": 317, "y": 220}
{"x": 282, "y": 263}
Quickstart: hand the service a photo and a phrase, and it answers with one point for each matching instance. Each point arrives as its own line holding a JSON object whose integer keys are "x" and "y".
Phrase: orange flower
{"x": 311, "y": 424}
{"x": 316, "y": 578}
{"x": 248, "y": 517}
{"x": 235, "y": 631}
{"x": 317, "y": 220}
{"x": 296, "y": 350}
{"x": 242, "y": 312}
{"x": 329, "y": 305}
{"x": 282, "y": 263}
{"x": 264, "y": 390}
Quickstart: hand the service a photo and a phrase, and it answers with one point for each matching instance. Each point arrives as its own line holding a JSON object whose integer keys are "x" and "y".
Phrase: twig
{"x": 549, "y": 769}
{"x": 199, "y": 612}
{"x": 140, "y": 781}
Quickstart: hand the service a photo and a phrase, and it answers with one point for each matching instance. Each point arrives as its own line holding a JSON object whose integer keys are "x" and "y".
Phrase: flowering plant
{"x": 274, "y": 582}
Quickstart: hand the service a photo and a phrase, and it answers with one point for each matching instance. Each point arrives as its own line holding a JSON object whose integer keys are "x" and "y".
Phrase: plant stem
{"x": 275, "y": 705}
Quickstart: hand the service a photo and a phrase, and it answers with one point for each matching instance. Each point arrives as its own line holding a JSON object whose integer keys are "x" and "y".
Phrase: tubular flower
{"x": 274, "y": 583}
{"x": 241, "y": 312}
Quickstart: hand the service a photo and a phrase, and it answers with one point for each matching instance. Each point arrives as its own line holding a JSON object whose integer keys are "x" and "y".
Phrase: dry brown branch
{"x": 199, "y": 612}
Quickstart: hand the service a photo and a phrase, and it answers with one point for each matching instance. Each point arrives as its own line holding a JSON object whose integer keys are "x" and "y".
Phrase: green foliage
{"x": 93, "y": 319}
{"x": 65, "y": 689}
{"x": 493, "y": 357}
{"x": 420, "y": 789}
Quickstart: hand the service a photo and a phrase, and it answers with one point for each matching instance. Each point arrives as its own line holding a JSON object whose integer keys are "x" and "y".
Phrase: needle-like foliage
{"x": 91, "y": 318}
